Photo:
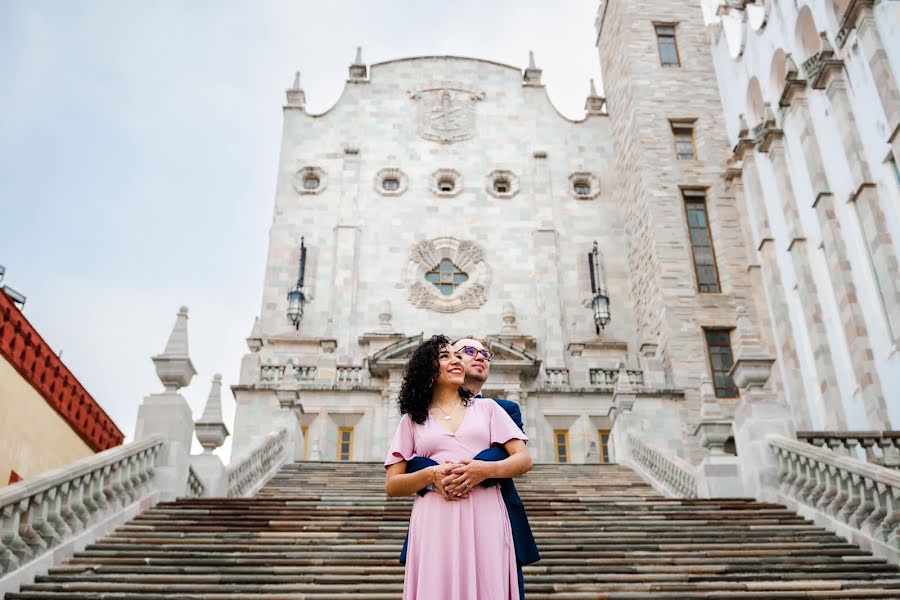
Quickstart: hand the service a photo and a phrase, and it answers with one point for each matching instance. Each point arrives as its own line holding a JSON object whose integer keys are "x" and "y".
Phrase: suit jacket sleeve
{"x": 417, "y": 463}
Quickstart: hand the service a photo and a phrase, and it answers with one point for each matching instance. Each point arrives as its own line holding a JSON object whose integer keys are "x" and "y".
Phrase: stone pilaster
{"x": 880, "y": 68}
{"x": 862, "y": 360}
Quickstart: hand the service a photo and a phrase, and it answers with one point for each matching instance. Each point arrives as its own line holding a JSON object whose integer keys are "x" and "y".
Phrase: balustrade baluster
{"x": 866, "y": 504}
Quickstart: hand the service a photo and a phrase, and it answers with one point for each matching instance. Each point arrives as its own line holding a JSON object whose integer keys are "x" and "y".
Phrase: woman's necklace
{"x": 447, "y": 415}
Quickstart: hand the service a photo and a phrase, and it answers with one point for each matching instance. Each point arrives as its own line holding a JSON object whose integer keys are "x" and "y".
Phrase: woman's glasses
{"x": 472, "y": 351}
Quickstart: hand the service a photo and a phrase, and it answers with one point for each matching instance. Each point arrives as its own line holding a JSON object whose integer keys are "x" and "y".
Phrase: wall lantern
{"x": 295, "y": 297}
{"x": 600, "y": 301}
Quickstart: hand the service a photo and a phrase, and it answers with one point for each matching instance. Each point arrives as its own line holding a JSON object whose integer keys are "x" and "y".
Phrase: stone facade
{"x": 810, "y": 99}
{"x": 446, "y": 194}
{"x": 483, "y": 171}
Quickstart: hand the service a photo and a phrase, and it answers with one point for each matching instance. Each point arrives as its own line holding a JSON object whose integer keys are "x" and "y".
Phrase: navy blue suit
{"x": 523, "y": 539}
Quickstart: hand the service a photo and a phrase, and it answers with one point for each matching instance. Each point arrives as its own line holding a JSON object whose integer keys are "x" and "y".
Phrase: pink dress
{"x": 460, "y": 550}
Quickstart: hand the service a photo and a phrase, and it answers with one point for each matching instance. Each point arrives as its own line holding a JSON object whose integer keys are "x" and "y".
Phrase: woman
{"x": 460, "y": 544}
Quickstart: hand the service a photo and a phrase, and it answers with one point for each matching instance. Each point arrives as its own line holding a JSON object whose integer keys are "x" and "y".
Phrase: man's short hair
{"x": 470, "y": 337}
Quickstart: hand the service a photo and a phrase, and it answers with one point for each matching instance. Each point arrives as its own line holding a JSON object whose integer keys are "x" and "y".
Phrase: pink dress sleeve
{"x": 404, "y": 445}
{"x": 503, "y": 428}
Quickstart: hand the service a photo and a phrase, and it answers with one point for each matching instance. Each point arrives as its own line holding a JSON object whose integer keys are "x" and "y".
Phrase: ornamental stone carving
{"x": 446, "y": 114}
{"x": 466, "y": 255}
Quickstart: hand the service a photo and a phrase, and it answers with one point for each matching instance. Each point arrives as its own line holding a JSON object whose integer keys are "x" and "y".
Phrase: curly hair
{"x": 418, "y": 379}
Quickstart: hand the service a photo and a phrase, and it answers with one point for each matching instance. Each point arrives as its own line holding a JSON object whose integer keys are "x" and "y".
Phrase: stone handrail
{"x": 252, "y": 471}
{"x": 195, "y": 487}
{"x": 670, "y": 473}
{"x": 881, "y": 447}
{"x": 858, "y": 500}
{"x": 41, "y": 513}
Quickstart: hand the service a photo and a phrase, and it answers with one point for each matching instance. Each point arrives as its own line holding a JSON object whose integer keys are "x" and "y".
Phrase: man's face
{"x": 477, "y": 367}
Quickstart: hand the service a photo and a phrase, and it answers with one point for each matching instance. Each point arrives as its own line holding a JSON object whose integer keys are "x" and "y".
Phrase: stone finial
{"x": 296, "y": 98}
{"x": 509, "y": 319}
{"x": 385, "y": 315}
{"x": 210, "y": 428}
{"x": 358, "y": 69}
{"x": 532, "y": 75}
{"x": 254, "y": 340}
{"x": 174, "y": 367}
{"x": 595, "y": 104}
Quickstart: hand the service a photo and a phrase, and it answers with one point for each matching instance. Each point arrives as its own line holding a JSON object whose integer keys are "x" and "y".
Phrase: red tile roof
{"x": 26, "y": 350}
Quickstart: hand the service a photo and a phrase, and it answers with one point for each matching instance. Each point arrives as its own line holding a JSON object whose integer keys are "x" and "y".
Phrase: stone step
{"x": 322, "y": 531}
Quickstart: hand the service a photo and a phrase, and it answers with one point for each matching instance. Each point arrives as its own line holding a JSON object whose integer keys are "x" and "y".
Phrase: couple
{"x": 468, "y": 533}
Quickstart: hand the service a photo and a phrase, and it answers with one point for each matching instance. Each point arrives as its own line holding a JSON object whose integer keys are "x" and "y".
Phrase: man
{"x": 477, "y": 362}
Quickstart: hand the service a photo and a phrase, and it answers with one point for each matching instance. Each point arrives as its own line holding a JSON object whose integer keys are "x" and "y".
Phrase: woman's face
{"x": 452, "y": 373}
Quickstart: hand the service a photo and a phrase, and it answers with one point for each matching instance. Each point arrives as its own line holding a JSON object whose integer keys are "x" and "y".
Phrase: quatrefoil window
{"x": 446, "y": 277}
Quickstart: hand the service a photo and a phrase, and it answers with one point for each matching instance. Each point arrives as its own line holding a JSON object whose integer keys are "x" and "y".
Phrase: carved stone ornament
{"x": 306, "y": 176}
{"x": 446, "y": 114}
{"x": 466, "y": 255}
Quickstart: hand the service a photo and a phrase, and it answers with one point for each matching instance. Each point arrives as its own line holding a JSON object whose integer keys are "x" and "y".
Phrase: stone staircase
{"x": 326, "y": 531}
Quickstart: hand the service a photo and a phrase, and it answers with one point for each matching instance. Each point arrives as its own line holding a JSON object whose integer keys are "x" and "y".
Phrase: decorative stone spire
{"x": 296, "y": 98}
{"x": 532, "y": 75}
{"x": 255, "y": 341}
{"x": 358, "y": 69}
{"x": 210, "y": 429}
{"x": 595, "y": 104}
{"x": 509, "y": 320}
{"x": 174, "y": 367}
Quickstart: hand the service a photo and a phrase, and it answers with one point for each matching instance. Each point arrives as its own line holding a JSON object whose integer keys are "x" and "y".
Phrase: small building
{"x": 47, "y": 418}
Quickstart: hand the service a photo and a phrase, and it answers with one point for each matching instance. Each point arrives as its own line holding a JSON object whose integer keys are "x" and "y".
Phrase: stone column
{"x": 546, "y": 257}
{"x": 346, "y": 242}
{"x": 880, "y": 68}
{"x": 798, "y": 248}
{"x": 862, "y": 359}
{"x": 718, "y": 473}
{"x": 866, "y": 203}
{"x": 168, "y": 413}
{"x": 759, "y": 413}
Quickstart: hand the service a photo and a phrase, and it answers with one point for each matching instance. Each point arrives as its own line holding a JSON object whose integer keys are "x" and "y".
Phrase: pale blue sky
{"x": 138, "y": 148}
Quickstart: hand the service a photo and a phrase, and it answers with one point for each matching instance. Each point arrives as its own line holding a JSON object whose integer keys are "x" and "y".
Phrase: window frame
{"x": 684, "y": 125}
{"x": 709, "y": 359}
{"x": 305, "y": 430}
{"x": 340, "y": 453}
{"x": 603, "y": 449}
{"x": 673, "y": 37}
{"x": 568, "y": 454}
{"x": 697, "y": 195}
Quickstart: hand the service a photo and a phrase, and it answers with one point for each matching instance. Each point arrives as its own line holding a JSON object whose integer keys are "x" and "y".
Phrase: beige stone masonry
{"x": 857, "y": 336}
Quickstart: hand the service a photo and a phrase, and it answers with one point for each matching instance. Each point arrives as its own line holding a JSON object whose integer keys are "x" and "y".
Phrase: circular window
{"x": 390, "y": 181}
{"x": 311, "y": 182}
{"x": 501, "y": 185}
{"x": 390, "y": 184}
{"x": 582, "y": 188}
{"x": 446, "y": 185}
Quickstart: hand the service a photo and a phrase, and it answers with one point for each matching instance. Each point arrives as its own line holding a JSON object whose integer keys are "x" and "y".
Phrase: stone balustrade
{"x": 608, "y": 377}
{"x": 47, "y": 517}
{"x": 195, "y": 487}
{"x": 669, "y": 473}
{"x": 286, "y": 373}
{"x": 858, "y": 500}
{"x": 349, "y": 376}
{"x": 557, "y": 377}
{"x": 812, "y": 66}
{"x": 879, "y": 447}
{"x": 252, "y": 471}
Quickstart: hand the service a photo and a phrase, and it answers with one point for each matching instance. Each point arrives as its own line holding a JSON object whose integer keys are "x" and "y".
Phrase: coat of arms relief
{"x": 446, "y": 114}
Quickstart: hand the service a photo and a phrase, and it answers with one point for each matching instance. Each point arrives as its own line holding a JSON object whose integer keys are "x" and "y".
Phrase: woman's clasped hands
{"x": 454, "y": 479}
